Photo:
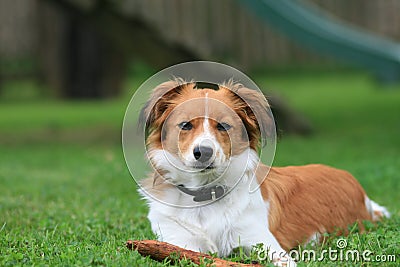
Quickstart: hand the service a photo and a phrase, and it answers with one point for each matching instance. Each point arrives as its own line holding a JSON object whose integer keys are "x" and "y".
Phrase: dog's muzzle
{"x": 204, "y": 156}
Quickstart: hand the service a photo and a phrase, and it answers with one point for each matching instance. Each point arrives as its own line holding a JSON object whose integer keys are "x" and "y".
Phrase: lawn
{"x": 67, "y": 198}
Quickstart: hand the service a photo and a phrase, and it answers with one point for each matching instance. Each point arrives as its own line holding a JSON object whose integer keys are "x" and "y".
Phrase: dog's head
{"x": 196, "y": 129}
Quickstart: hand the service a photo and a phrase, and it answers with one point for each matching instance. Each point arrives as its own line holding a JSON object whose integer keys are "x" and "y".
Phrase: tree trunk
{"x": 77, "y": 60}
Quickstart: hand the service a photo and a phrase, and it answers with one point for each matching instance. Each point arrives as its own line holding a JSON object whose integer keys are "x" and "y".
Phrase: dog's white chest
{"x": 218, "y": 227}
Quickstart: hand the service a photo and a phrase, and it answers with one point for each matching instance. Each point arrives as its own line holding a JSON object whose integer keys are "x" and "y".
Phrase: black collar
{"x": 206, "y": 193}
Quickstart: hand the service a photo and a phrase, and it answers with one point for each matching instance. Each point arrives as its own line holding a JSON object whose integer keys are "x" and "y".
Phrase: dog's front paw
{"x": 201, "y": 245}
{"x": 195, "y": 243}
{"x": 282, "y": 260}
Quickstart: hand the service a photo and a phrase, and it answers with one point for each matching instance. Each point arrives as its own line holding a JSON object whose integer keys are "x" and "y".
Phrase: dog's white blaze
{"x": 207, "y": 138}
{"x": 206, "y": 123}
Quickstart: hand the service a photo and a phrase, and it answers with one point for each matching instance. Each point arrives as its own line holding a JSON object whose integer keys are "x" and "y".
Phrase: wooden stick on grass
{"x": 160, "y": 250}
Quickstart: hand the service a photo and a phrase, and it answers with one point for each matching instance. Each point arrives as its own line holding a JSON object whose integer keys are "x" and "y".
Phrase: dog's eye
{"x": 185, "y": 126}
{"x": 223, "y": 126}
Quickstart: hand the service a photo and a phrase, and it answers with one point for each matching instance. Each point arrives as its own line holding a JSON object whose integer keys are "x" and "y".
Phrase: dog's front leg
{"x": 270, "y": 246}
{"x": 181, "y": 233}
{"x": 252, "y": 230}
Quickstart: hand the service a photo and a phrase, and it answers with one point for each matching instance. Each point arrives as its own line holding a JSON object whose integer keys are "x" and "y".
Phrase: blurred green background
{"x": 69, "y": 68}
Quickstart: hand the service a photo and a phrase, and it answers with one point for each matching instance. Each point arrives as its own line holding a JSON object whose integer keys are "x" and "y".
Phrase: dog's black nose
{"x": 203, "y": 153}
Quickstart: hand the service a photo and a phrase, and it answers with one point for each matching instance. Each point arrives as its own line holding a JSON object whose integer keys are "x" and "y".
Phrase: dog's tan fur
{"x": 305, "y": 200}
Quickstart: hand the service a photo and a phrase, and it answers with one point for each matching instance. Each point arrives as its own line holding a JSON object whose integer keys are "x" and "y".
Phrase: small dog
{"x": 202, "y": 140}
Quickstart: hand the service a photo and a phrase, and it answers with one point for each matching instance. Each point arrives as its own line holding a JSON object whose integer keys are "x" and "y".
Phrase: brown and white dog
{"x": 202, "y": 142}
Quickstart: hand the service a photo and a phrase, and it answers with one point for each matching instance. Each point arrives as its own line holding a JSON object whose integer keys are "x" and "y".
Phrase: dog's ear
{"x": 154, "y": 110}
{"x": 256, "y": 115}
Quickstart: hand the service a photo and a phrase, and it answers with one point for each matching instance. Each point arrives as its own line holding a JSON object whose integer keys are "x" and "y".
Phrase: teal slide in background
{"x": 306, "y": 24}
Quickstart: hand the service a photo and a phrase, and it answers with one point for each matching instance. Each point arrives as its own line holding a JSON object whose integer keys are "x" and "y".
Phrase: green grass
{"x": 66, "y": 196}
